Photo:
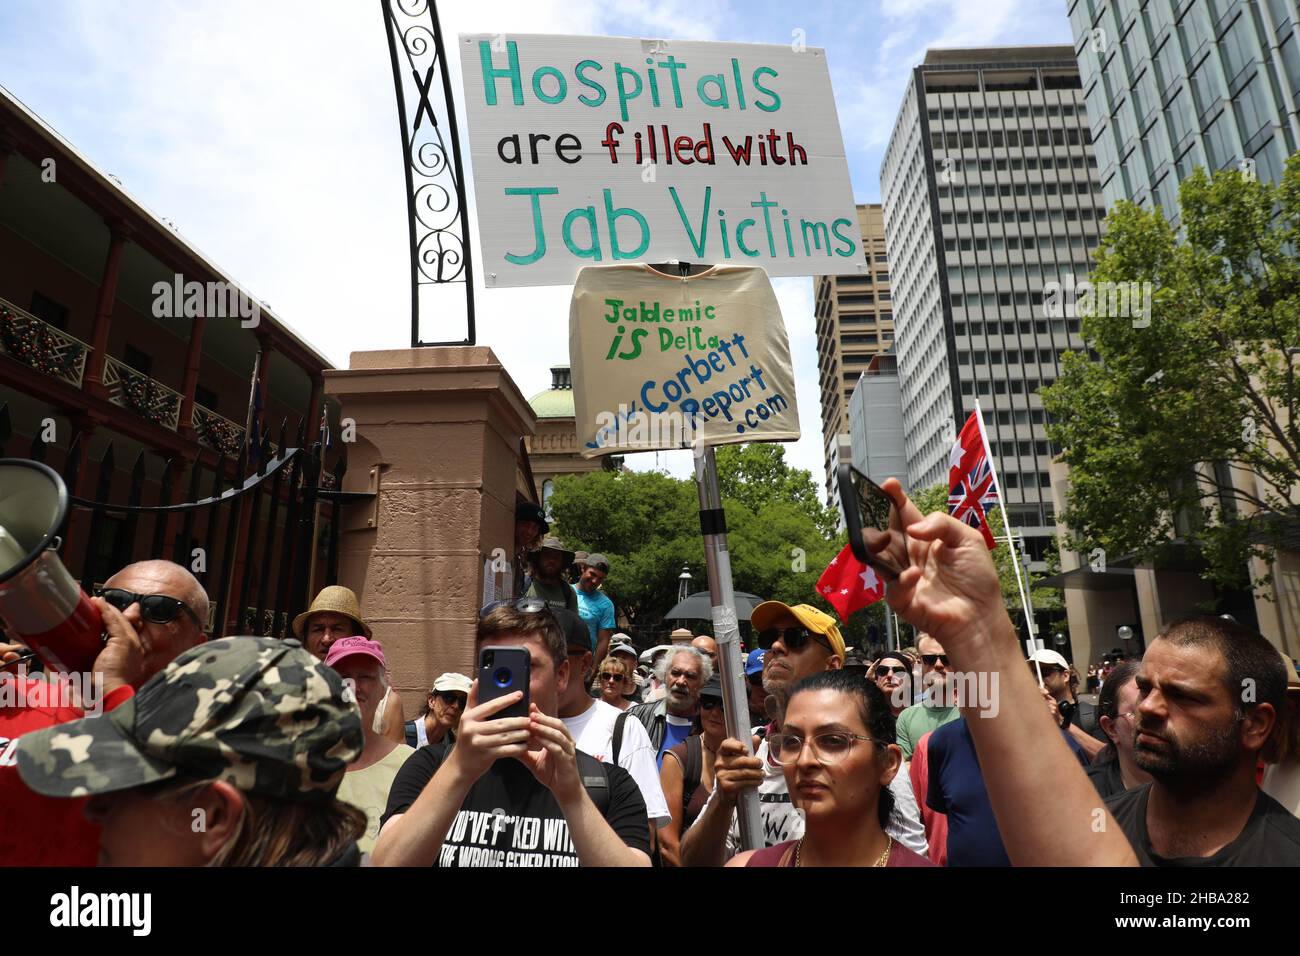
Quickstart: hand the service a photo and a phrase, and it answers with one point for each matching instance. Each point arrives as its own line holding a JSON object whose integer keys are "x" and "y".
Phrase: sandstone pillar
{"x": 437, "y": 432}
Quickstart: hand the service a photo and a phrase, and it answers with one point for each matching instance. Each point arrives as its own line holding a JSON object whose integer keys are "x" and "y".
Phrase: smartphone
{"x": 876, "y": 535}
{"x": 502, "y": 670}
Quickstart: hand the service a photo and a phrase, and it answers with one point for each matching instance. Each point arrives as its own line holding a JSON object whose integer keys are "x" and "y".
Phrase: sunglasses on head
{"x": 155, "y": 608}
{"x": 526, "y": 605}
{"x": 794, "y": 638}
{"x": 929, "y": 659}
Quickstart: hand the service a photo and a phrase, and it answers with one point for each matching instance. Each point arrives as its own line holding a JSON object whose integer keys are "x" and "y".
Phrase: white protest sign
{"x": 662, "y": 362}
{"x": 599, "y": 150}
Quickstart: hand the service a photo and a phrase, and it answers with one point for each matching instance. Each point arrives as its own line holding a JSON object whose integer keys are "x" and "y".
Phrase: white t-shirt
{"x": 783, "y": 821}
{"x": 593, "y": 732}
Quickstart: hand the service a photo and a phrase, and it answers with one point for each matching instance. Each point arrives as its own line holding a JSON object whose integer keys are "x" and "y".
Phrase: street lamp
{"x": 683, "y": 583}
{"x": 1124, "y": 633}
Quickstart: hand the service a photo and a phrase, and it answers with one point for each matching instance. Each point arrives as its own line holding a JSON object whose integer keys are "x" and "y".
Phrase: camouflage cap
{"x": 257, "y": 712}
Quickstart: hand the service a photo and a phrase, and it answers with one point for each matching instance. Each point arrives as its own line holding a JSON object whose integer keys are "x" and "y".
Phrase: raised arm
{"x": 1047, "y": 811}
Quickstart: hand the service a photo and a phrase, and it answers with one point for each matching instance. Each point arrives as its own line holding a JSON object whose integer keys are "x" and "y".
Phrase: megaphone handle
{"x": 22, "y": 659}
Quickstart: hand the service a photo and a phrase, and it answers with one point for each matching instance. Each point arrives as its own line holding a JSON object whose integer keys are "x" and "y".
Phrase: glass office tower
{"x": 1175, "y": 84}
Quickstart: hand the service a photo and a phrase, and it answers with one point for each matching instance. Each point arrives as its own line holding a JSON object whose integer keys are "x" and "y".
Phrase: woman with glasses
{"x": 893, "y": 675}
{"x": 687, "y": 779}
{"x": 616, "y": 679}
{"x": 836, "y": 748}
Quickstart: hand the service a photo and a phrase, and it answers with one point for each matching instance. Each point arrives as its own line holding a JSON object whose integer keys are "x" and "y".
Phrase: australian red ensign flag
{"x": 849, "y": 585}
{"x": 971, "y": 489}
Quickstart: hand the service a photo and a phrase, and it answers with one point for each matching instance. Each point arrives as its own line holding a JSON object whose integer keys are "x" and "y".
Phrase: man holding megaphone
{"x": 152, "y": 612}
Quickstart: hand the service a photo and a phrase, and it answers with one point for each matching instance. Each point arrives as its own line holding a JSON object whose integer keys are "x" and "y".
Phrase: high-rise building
{"x": 990, "y": 191}
{"x": 1175, "y": 85}
{"x": 1187, "y": 83}
{"x": 855, "y": 322}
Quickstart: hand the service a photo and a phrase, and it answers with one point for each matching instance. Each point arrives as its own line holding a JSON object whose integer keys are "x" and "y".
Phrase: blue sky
{"x": 266, "y": 131}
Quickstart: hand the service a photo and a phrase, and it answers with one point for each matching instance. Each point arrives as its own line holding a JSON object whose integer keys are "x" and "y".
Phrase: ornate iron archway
{"x": 435, "y": 184}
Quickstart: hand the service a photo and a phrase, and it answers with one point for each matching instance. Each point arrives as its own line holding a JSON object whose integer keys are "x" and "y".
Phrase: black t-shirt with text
{"x": 510, "y": 819}
{"x": 1271, "y": 836}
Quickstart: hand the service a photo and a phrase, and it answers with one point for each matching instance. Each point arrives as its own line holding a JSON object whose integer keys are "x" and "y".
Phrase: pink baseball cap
{"x": 349, "y": 646}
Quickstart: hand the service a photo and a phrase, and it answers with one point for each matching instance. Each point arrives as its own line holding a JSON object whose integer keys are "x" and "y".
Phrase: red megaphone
{"x": 40, "y": 603}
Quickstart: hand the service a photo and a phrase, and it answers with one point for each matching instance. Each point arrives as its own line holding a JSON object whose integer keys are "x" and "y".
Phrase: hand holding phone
{"x": 876, "y": 534}
{"x": 495, "y": 723}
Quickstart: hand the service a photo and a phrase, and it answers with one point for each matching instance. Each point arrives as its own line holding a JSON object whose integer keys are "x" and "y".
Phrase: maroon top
{"x": 899, "y": 855}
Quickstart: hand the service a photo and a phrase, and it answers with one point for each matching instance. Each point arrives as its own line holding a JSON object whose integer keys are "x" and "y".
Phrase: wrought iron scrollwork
{"x": 435, "y": 186}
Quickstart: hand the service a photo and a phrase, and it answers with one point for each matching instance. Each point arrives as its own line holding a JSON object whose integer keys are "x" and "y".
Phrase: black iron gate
{"x": 277, "y": 551}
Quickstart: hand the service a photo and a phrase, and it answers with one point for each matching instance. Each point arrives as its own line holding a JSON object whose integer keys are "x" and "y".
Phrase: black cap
{"x": 527, "y": 511}
{"x": 576, "y": 632}
{"x": 712, "y": 688}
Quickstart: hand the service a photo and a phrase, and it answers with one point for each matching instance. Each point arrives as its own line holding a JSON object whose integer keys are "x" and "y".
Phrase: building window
{"x": 46, "y": 309}
{"x": 140, "y": 361}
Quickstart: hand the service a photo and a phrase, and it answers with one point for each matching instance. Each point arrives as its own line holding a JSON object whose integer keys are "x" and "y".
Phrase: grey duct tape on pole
{"x": 726, "y": 633}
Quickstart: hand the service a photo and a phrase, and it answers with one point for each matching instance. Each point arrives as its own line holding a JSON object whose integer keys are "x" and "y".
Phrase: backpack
{"x": 694, "y": 768}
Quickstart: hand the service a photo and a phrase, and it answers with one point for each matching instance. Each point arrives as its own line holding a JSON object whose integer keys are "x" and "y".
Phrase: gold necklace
{"x": 882, "y": 860}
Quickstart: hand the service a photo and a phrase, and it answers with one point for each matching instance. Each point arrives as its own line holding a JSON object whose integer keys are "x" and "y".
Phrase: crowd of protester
{"x": 298, "y": 751}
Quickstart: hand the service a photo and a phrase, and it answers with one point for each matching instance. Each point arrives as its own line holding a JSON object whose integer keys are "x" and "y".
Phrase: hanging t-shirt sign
{"x": 662, "y": 362}
{"x": 592, "y": 150}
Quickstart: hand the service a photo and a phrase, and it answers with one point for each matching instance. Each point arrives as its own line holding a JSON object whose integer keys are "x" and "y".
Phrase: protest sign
{"x": 662, "y": 362}
{"x": 596, "y": 150}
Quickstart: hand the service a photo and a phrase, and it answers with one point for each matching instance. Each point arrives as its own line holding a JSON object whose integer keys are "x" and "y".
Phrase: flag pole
{"x": 1006, "y": 524}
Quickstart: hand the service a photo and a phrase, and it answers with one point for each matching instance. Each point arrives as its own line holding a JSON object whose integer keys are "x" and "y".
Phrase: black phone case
{"x": 852, "y": 523}
{"x": 518, "y": 662}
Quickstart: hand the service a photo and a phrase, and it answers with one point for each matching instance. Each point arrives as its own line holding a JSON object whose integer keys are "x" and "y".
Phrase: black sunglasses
{"x": 756, "y": 680}
{"x": 155, "y": 608}
{"x": 710, "y": 702}
{"x": 931, "y": 658}
{"x": 794, "y": 638}
{"x": 451, "y": 697}
{"x": 886, "y": 671}
{"x": 609, "y": 675}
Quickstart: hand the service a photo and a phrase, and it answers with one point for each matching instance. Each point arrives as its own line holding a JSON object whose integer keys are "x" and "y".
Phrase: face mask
{"x": 379, "y": 725}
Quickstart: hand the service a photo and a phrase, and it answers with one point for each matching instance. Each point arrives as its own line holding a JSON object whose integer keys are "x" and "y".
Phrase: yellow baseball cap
{"x": 817, "y": 621}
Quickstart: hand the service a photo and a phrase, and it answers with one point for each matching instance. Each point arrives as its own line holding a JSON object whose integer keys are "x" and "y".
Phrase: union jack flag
{"x": 971, "y": 488}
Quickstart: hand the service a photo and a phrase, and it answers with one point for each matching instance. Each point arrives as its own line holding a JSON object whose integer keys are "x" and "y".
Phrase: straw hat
{"x": 337, "y": 599}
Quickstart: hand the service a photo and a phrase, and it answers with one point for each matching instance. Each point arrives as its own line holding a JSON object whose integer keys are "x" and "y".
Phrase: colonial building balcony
{"x": 137, "y": 392}
{"x": 218, "y": 432}
{"x": 41, "y": 346}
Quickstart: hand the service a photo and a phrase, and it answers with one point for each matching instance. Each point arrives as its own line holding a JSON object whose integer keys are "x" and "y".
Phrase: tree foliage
{"x": 780, "y": 536}
{"x": 1185, "y": 428}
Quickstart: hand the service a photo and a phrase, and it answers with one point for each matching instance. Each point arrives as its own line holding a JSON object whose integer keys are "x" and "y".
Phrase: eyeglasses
{"x": 155, "y": 608}
{"x": 827, "y": 748}
{"x": 794, "y": 638}
{"x": 710, "y": 703}
{"x": 929, "y": 659}
{"x": 756, "y": 680}
{"x": 886, "y": 671}
{"x": 610, "y": 676}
